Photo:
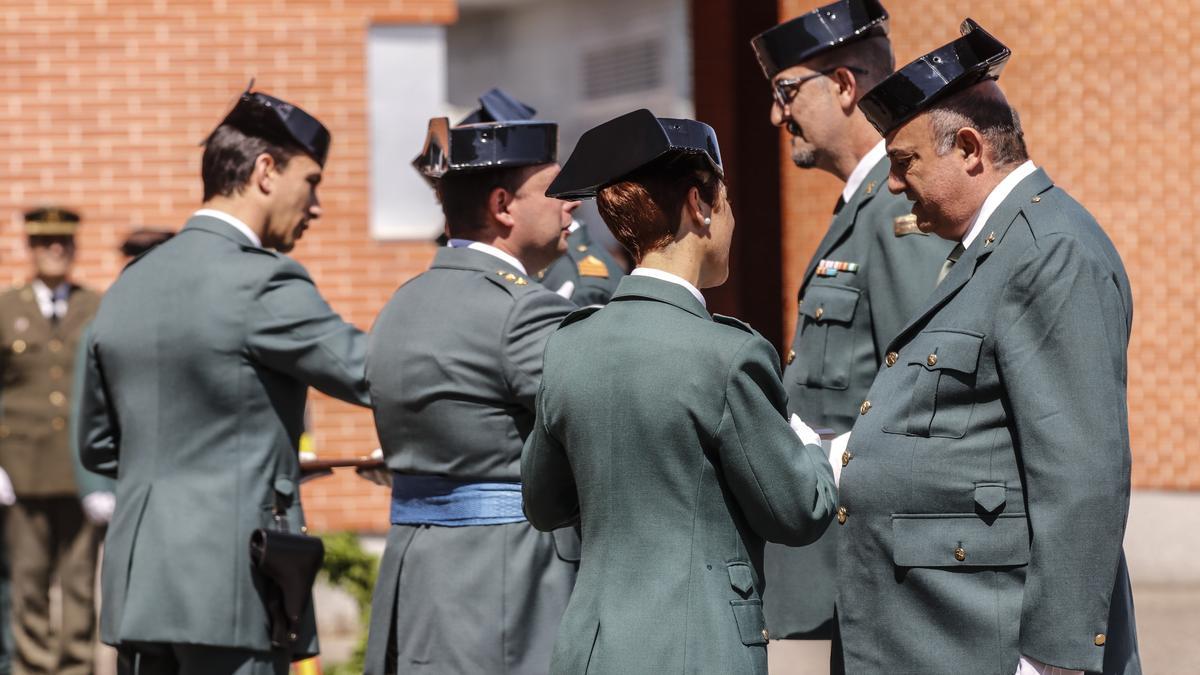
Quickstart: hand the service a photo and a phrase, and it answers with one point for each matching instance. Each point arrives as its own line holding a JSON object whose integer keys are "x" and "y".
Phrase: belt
{"x": 448, "y": 502}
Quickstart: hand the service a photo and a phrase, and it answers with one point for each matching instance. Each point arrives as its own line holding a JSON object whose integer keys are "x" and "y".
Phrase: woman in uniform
{"x": 669, "y": 444}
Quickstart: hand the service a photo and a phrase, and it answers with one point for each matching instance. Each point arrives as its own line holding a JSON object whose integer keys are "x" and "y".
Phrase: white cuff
{"x": 805, "y": 432}
{"x": 7, "y": 496}
{"x": 99, "y": 507}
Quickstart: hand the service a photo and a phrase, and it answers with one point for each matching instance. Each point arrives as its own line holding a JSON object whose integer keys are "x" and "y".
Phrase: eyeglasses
{"x": 785, "y": 91}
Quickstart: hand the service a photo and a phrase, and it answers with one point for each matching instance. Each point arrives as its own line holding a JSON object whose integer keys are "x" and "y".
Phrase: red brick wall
{"x": 1111, "y": 108}
{"x": 104, "y": 102}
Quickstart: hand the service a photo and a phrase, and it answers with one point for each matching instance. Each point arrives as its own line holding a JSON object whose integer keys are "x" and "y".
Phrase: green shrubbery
{"x": 353, "y": 570}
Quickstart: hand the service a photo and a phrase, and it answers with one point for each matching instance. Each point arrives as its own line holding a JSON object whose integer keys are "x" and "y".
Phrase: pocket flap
{"x": 830, "y": 303}
{"x": 741, "y": 577}
{"x": 752, "y": 625}
{"x": 990, "y": 496}
{"x": 946, "y": 350}
{"x": 959, "y": 540}
{"x": 567, "y": 544}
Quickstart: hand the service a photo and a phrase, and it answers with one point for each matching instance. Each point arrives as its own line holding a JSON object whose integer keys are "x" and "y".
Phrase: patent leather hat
{"x": 486, "y": 145}
{"x": 794, "y": 42}
{"x": 282, "y": 123}
{"x": 607, "y": 153}
{"x": 969, "y": 60}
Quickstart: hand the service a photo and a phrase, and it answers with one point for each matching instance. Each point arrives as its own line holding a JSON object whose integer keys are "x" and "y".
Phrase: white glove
{"x": 7, "y": 496}
{"x": 836, "y": 447}
{"x": 99, "y": 507}
{"x": 381, "y": 477}
{"x": 1028, "y": 666}
{"x": 566, "y": 289}
{"x": 805, "y": 432}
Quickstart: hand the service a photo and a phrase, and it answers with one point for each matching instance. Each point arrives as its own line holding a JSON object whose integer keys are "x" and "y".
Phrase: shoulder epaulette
{"x": 730, "y": 321}
{"x": 579, "y": 315}
{"x": 512, "y": 282}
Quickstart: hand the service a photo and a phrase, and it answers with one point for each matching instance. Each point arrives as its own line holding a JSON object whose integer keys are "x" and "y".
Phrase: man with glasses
{"x": 870, "y": 272}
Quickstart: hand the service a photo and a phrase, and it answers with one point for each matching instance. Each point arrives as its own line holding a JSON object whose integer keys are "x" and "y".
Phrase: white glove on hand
{"x": 836, "y": 447}
{"x": 1028, "y": 666}
{"x": 381, "y": 477}
{"x": 805, "y": 432}
{"x": 7, "y": 496}
{"x": 99, "y": 507}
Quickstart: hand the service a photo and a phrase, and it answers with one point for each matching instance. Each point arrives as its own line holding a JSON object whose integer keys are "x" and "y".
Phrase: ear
{"x": 499, "y": 201}
{"x": 968, "y": 143}
{"x": 695, "y": 210}
{"x": 845, "y": 89}
{"x": 263, "y": 174}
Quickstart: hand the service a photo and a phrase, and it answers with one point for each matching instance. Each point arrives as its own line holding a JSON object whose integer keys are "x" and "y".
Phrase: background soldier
{"x": 984, "y": 503}
{"x": 50, "y": 532}
{"x": 199, "y": 363}
{"x": 586, "y": 274}
{"x": 466, "y": 585}
{"x": 869, "y": 273}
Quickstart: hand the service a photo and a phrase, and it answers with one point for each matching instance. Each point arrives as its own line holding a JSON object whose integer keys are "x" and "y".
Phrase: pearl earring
{"x": 708, "y": 221}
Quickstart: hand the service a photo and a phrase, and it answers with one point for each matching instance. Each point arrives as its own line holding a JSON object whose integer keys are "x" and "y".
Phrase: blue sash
{"x": 436, "y": 500}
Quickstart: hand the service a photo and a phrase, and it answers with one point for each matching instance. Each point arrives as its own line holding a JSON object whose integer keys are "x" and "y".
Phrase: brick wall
{"x": 1110, "y": 102}
{"x": 105, "y": 101}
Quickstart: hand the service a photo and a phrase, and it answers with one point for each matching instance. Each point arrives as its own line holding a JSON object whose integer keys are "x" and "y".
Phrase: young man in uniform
{"x": 869, "y": 273}
{"x": 984, "y": 502}
{"x": 466, "y": 584}
{"x": 198, "y": 367}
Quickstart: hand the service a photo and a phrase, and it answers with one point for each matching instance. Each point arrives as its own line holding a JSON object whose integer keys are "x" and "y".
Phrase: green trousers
{"x": 155, "y": 658}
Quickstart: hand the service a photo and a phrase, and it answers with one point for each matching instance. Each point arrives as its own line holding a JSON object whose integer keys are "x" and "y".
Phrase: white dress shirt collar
{"x": 859, "y": 174}
{"x": 233, "y": 221}
{"x": 488, "y": 249}
{"x": 51, "y": 302}
{"x": 671, "y": 278}
{"x": 997, "y": 197}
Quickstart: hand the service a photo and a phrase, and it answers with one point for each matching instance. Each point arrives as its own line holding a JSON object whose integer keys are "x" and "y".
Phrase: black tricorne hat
{"x": 257, "y": 114}
{"x": 615, "y": 149}
{"x": 496, "y": 105}
{"x": 833, "y": 25}
{"x": 969, "y": 60}
{"x": 486, "y": 145}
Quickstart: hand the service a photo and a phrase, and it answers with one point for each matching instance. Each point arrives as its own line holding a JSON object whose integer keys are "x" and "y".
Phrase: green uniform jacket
{"x": 37, "y": 360}
{"x": 199, "y": 363}
{"x": 454, "y": 365}
{"x": 844, "y": 324}
{"x": 591, "y": 268}
{"x": 671, "y": 445}
{"x": 86, "y": 481}
{"x": 987, "y": 485}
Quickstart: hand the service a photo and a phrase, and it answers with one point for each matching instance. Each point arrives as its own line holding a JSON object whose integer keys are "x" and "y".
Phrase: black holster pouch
{"x": 289, "y": 563}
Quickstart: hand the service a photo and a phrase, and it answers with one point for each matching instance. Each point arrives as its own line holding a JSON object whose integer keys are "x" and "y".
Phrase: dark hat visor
{"x": 608, "y": 153}
{"x": 257, "y": 114}
{"x": 794, "y": 42}
{"x": 969, "y": 60}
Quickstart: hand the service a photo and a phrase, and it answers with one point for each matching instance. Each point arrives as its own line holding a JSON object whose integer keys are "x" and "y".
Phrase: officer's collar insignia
{"x": 991, "y": 239}
{"x": 591, "y": 266}
{"x": 905, "y": 225}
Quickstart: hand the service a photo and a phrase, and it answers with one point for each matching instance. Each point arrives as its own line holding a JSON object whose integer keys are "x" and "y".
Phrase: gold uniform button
{"x": 791, "y": 356}
{"x": 766, "y": 634}
{"x": 581, "y": 248}
{"x": 819, "y": 313}
{"x": 58, "y": 424}
{"x": 841, "y": 513}
{"x": 960, "y": 554}
{"x": 19, "y": 346}
{"x": 56, "y": 372}
{"x": 846, "y": 457}
{"x": 1100, "y": 639}
{"x": 56, "y": 345}
{"x": 1036, "y": 200}
{"x": 891, "y": 359}
{"x": 862, "y": 409}
{"x": 932, "y": 360}
{"x": 58, "y": 398}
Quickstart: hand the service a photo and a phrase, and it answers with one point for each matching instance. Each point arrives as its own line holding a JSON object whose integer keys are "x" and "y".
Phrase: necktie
{"x": 955, "y": 254}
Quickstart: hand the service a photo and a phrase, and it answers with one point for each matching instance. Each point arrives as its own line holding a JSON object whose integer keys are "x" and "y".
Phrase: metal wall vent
{"x": 623, "y": 68}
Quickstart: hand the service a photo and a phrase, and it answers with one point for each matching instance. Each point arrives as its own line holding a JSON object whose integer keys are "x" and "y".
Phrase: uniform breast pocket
{"x": 826, "y": 345}
{"x": 942, "y": 367}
